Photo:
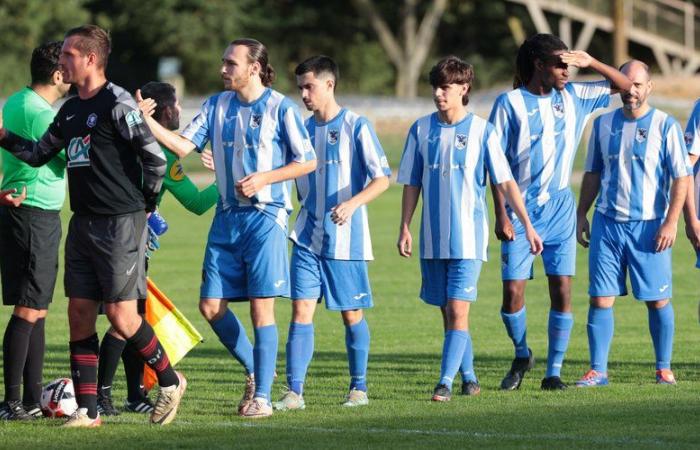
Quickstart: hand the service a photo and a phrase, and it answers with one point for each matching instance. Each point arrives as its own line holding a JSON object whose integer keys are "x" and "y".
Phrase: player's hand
{"x": 692, "y": 231}
{"x": 666, "y": 236}
{"x": 340, "y": 214}
{"x": 208, "y": 160}
{"x": 576, "y": 58}
{"x": 583, "y": 231}
{"x": 504, "y": 229}
{"x": 250, "y": 185}
{"x": 536, "y": 245}
{"x": 146, "y": 105}
{"x": 7, "y": 199}
{"x": 405, "y": 243}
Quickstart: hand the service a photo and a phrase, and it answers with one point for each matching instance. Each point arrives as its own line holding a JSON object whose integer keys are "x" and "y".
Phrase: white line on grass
{"x": 411, "y": 431}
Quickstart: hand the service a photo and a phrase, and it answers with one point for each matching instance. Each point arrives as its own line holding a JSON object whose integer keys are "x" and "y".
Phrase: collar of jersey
{"x": 340, "y": 114}
{"x": 436, "y": 120}
{"x": 262, "y": 97}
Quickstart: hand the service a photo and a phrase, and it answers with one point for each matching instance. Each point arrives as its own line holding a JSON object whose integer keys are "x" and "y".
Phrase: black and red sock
{"x": 147, "y": 344}
{"x": 83, "y": 365}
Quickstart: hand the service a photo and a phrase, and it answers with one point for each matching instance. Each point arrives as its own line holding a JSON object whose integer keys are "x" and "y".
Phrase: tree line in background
{"x": 383, "y": 47}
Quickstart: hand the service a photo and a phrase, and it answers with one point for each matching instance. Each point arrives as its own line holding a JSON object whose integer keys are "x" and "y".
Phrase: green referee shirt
{"x": 27, "y": 114}
{"x": 184, "y": 190}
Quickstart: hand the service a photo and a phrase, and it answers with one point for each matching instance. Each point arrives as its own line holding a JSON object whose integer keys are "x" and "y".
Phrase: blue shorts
{"x": 343, "y": 284}
{"x": 555, "y": 222}
{"x": 617, "y": 246}
{"x": 246, "y": 257}
{"x": 449, "y": 279}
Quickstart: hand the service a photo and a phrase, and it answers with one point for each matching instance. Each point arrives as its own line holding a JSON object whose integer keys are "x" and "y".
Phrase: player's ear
{"x": 56, "y": 78}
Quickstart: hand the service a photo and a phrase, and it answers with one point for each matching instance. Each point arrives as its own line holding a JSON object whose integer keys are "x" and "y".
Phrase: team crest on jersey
{"x": 461, "y": 141}
{"x": 333, "y": 136}
{"x": 641, "y": 135}
{"x": 688, "y": 137}
{"x": 384, "y": 163}
{"x": 91, "y": 120}
{"x": 255, "y": 120}
{"x": 78, "y": 152}
{"x": 176, "y": 172}
{"x": 133, "y": 118}
{"x": 558, "y": 110}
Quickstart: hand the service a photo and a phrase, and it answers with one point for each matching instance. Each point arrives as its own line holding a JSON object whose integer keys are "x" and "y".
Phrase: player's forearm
{"x": 499, "y": 203}
{"x": 618, "y": 80}
{"x": 34, "y": 153}
{"x": 290, "y": 171}
{"x": 589, "y": 191}
{"x": 509, "y": 190}
{"x": 154, "y": 165}
{"x": 689, "y": 210}
{"x": 370, "y": 192}
{"x": 172, "y": 141}
{"x": 679, "y": 193}
{"x": 409, "y": 201}
{"x": 191, "y": 198}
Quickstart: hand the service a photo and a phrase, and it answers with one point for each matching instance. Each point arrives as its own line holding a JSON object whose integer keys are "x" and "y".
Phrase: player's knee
{"x": 303, "y": 311}
{"x": 352, "y": 317}
{"x": 29, "y": 314}
{"x": 658, "y": 304}
{"x": 211, "y": 311}
{"x": 513, "y": 296}
{"x": 602, "y": 302}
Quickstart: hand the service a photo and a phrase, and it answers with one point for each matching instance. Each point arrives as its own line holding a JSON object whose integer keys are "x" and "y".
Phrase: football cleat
{"x": 80, "y": 419}
{"x": 13, "y": 410}
{"x": 470, "y": 388}
{"x": 517, "y": 371}
{"x": 441, "y": 393}
{"x": 553, "y": 384}
{"x": 356, "y": 397}
{"x": 290, "y": 401}
{"x": 142, "y": 405}
{"x": 105, "y": 406}
{"x": 593, "y": 378}
{"x": 248, "y": 393}
{"x": 168, "y": 401}
{"x": 34, "y": 410}
{"x": 665, "y": 376}
{"x": 257, "y": 409}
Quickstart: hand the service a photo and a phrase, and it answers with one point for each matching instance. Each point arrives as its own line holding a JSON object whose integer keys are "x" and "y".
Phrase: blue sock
{"x": 300, "y": 349}
{"x": 265, "y": 354}
{"x": 452, "y": 352}
{"x": 516, "y": 325}
{"x": 661, "y": 327}
{"x": 467, "y": 367}
{"x": 232, "y": 334}
{"x": 601, "y": 324}
{"x": 559, "y": 330}
{"x": 357, "y": 344}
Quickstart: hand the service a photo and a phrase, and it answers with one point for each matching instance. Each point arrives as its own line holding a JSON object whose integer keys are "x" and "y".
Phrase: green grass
{"x": 404, "y": 365}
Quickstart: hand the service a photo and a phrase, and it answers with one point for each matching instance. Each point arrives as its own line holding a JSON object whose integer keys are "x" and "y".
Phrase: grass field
{"x": 404, "y": 365}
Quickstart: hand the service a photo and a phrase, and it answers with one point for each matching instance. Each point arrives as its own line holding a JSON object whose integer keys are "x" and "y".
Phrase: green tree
{"x": 27, "y": 24}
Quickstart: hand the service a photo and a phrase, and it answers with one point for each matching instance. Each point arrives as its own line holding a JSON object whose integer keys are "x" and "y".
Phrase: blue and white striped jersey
{"x": 692, "y": 131}
{"x": 541, "y": 134}
{"x": 449, "y": 163}
{"x": 349, "y": 156}
{"x": 252, "y": 137}
{"x": 637, "y": 160}
{"x": 692, "y": 143}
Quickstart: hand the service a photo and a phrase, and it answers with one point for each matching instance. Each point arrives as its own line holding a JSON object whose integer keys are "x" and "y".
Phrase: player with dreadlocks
{"x": 541, "y": 121}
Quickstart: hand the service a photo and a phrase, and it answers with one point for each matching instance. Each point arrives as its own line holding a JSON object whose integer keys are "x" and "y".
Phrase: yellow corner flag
{"x": 175, "y": 333}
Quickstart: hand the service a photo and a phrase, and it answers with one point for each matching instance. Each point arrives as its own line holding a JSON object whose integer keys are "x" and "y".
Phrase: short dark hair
{"x": 539, "y": 46}
{"x": 317, "y": 65}
{"x": 95, "y": 40}
{"x": 257, "y": 52}
{"x": 163, "y": 94}
{"x": 451, "y": 70}
{"x": 45, "y": 62}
